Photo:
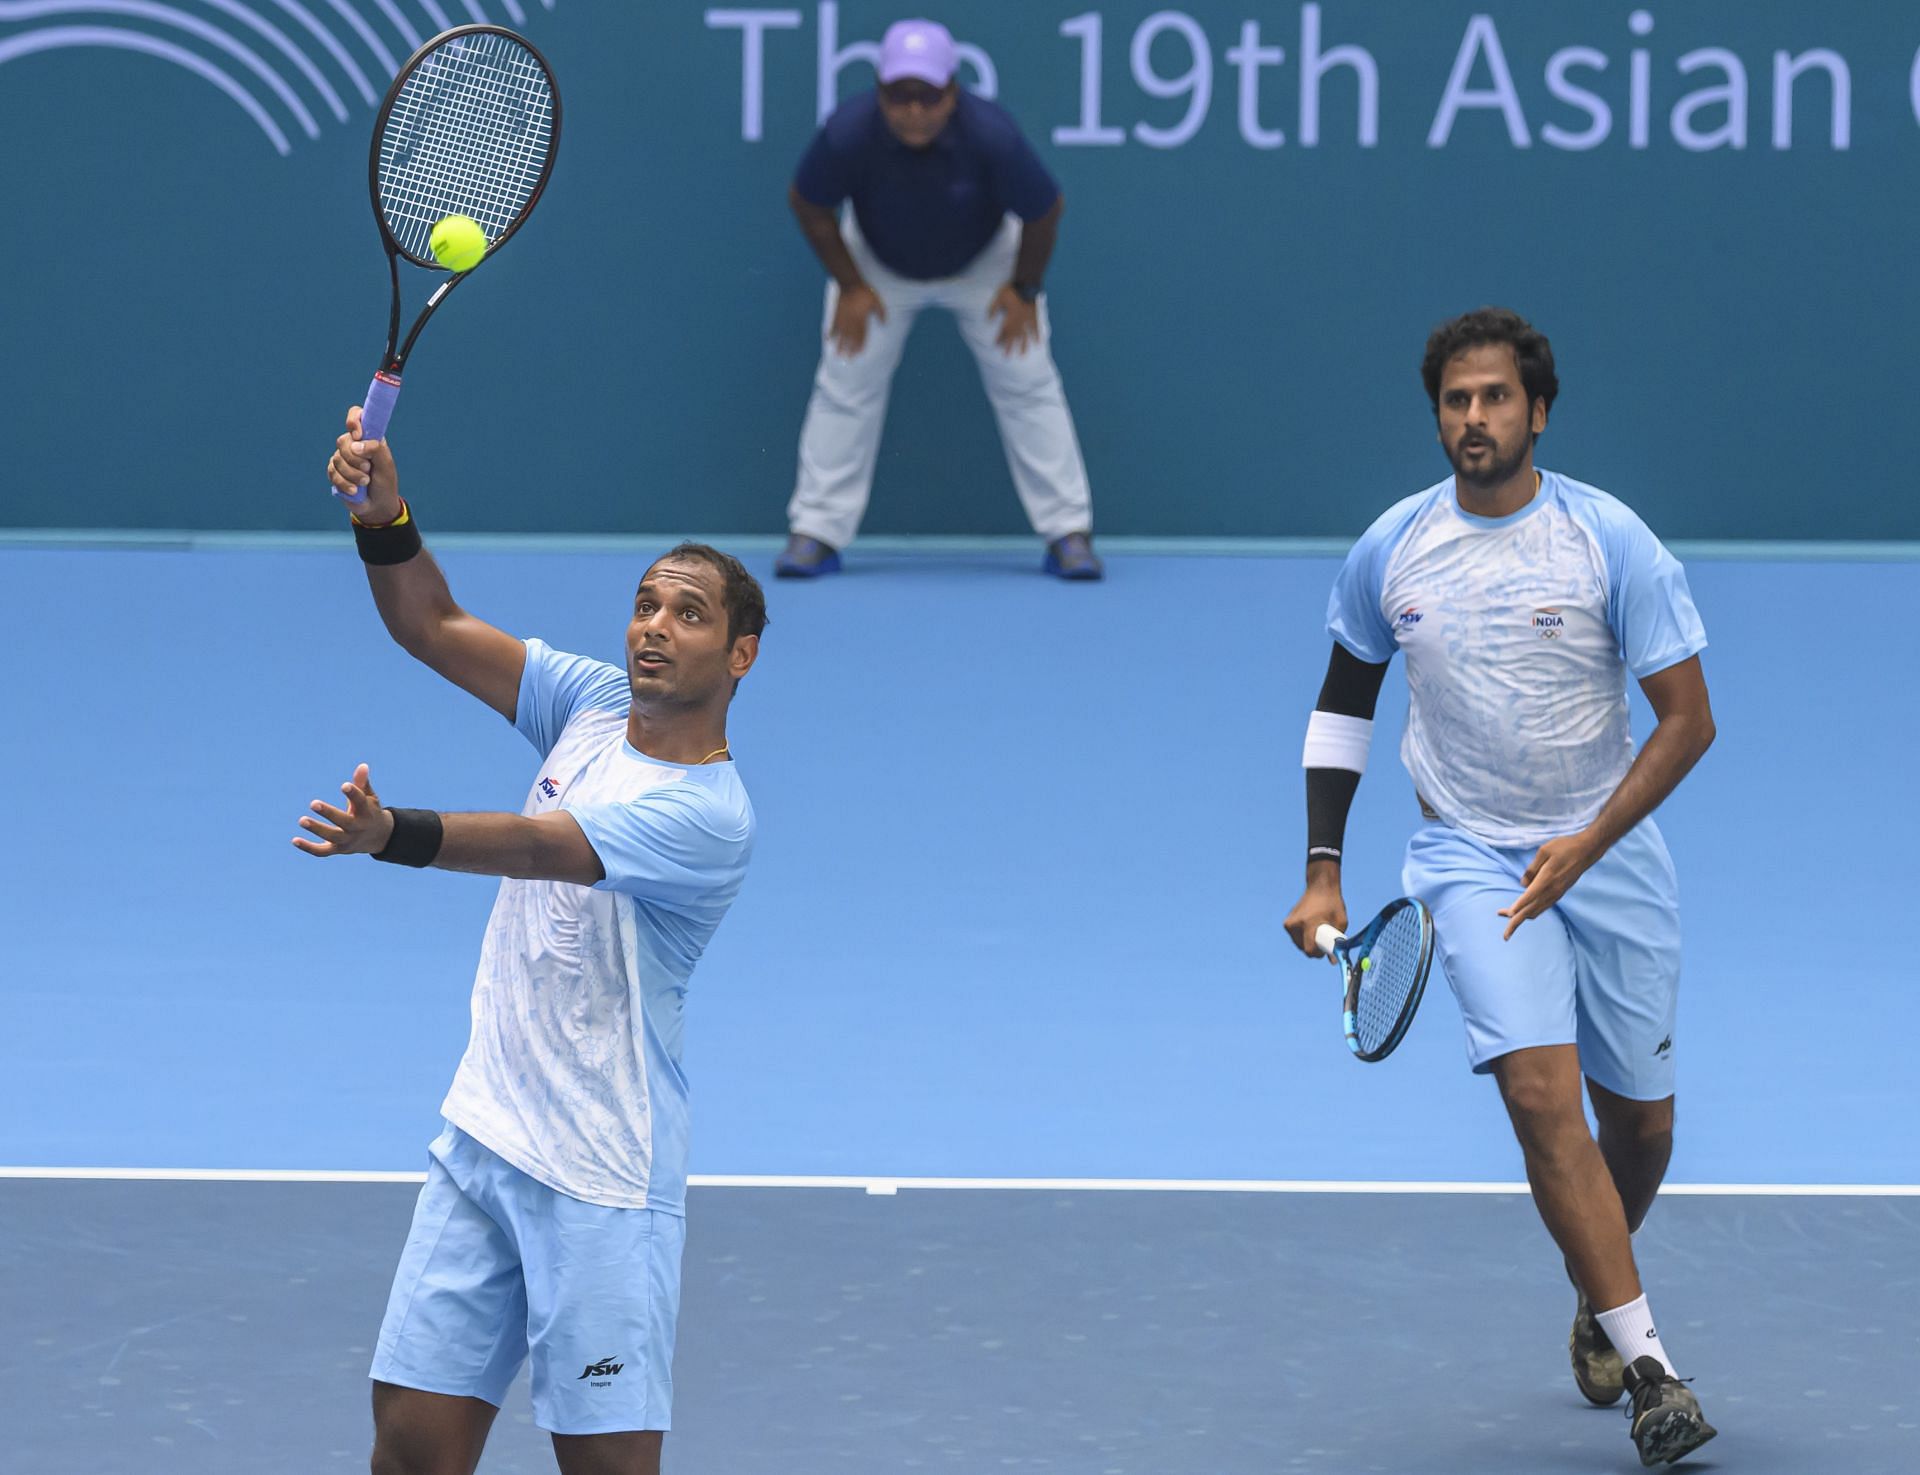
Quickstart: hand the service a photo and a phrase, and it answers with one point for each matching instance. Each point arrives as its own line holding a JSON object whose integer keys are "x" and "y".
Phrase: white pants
{"x": 841, "y": 437}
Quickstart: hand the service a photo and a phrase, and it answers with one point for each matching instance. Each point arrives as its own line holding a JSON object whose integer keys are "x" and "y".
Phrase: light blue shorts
{"x": 1601, "y": 970}
{"x": 500, "y": 1269}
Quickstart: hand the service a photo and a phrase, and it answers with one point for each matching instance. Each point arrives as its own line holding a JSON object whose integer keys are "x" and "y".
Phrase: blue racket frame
{"x": 1349, "y": 955}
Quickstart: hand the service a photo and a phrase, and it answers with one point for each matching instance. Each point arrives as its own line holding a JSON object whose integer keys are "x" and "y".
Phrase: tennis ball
{"x": 1365, "y": 964}
{"x": 457, "y": 242}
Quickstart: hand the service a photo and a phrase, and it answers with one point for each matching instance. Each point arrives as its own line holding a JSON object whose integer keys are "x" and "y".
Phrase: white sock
{"x": 1630, "y": 1329}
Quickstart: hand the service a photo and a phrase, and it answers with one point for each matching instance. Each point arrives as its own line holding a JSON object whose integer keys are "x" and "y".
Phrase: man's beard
{"x": 1497, "y": 468}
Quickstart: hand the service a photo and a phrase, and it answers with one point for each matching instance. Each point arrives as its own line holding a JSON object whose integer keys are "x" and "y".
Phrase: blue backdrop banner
{"x": 1709, "y": 206}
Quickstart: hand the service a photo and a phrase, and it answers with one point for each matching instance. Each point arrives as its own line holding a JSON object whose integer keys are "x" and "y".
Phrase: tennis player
{"x": 551, "y": 1223}
{"x": 1522, "y": 599}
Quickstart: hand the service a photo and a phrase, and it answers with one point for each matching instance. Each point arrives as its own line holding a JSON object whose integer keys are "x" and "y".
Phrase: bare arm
{"x": 1037, "y": 238}
{"x": 820, "y": 224}
{"x": 413, "y": 598}
{"x": 546, "y": 847}
{"x": 1683, "y": 732}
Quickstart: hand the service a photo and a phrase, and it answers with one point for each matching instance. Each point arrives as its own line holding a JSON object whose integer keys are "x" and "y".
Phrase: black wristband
{"x": 416, "y": 838}
{"x": 388, "y": 545}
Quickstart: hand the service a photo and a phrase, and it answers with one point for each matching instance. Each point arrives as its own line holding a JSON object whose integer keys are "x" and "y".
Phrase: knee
{"x": 389, "y": 1461}
{"x": 847, "y": 394}
{"x": 1543, "y": 1111}
{"x": 393, "y": 1456}
{"x": 1024, "y": 386}
{"x": 1644, "y": 1127}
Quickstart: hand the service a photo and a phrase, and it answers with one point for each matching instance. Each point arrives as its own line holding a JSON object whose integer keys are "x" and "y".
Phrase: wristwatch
{"x": 1027, "y": 291}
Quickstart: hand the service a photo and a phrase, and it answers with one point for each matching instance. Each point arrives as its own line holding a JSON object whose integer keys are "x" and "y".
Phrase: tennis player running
{"x": 552, "y": 1220}
{"x": 1521, "y": 599}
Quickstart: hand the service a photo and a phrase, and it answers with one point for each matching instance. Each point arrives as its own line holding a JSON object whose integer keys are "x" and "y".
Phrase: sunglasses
{"x": 910, "y": 92}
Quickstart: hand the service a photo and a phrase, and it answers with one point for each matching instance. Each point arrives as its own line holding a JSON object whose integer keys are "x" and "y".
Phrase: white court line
{"x": 885, "y": 1186}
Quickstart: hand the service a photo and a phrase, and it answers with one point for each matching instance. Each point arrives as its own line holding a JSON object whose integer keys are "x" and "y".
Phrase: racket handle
{"x": 1326, "y": 938}
{"x": 374, "y": 417}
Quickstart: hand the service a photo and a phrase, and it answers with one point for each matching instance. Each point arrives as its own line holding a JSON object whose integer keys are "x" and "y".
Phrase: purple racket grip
{"x": 374, "y": 417}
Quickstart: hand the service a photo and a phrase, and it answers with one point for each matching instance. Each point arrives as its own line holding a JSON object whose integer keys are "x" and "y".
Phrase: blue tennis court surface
{"x": 1015, "y": 913}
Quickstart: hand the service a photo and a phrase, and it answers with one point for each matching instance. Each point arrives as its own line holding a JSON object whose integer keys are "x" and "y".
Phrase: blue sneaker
{"x": 805, "y": 558}
{"x": 1072, "y": 557}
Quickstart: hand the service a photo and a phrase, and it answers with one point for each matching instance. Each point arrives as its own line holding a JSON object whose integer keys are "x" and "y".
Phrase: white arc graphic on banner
{"x": 306, "y": 57}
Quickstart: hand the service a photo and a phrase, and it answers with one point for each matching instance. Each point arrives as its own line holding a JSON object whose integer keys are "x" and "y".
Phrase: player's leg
{"x": 1623, "y": 917}
{"x": 632, "y": 1453}
{"x": 1572, "y": 1189}
{"x": 840, "y": 439}
{"x": 454, "y": 1333}
{"x": 603, "y": 1305}
{"x": 1029, "y": 401}
{"x": 1636, "y": 1139}
{"x": 420, "y": 1433}
{"x": 1517, "y": 998}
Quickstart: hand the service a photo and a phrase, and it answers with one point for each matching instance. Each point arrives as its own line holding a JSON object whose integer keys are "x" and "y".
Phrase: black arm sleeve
{"x": 1351, "y": 689}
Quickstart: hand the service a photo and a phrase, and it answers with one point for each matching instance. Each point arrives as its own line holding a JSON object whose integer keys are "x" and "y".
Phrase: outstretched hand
{"x": 1554, "y": 869}
{"x": 362, "y": 828}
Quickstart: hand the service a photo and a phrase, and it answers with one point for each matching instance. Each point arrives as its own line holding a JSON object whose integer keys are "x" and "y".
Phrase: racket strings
{"x": 469, "y": 137}
{"x": 1389, "y": 980}
{"x": 478, "y": 113}
{"x": 470, "y": 133}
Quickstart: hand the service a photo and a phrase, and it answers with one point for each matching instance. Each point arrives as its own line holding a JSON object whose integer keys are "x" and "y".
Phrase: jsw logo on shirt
{"x": 549, "y": 789}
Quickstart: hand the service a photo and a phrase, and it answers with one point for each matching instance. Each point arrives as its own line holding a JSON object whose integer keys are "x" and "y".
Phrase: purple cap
{"x": 918, "y": 48}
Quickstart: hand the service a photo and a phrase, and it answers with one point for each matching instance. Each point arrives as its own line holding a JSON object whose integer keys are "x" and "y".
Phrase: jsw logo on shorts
{"x": 606, "y": 1367}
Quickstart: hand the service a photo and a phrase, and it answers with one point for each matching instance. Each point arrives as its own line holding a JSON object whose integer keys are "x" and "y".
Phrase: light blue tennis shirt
{"x": 1519, "y": 632}
{"x": 572, "y": 1072}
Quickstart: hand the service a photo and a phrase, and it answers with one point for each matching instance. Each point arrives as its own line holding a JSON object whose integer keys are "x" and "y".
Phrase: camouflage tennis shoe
{"x": 1596, "y": 1366}
{"x": 1664, "y": 1416}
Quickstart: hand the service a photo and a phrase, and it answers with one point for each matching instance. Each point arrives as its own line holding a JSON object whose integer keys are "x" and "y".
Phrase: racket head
{"x": 470, "y": 126}
{"x": 1386, "y": 965}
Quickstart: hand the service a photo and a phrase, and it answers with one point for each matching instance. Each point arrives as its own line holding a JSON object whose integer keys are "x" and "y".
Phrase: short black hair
{"x": 740, "y": 592}
{"x": 1492, "y": 325}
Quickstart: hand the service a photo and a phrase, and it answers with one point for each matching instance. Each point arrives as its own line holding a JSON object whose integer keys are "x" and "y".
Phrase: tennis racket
{"x": 469, "y": 127}
{"x": 1385, "y": 967}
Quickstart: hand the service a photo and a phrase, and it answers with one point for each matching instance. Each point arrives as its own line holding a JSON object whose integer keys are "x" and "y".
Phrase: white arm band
{"x": 1334, "y": 741}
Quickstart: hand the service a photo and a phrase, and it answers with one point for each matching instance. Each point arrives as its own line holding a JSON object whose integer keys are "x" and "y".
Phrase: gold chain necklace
{"x": 715, "y": 754}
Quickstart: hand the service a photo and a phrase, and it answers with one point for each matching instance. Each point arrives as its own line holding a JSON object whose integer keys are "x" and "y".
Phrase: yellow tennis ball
{"x": 1366, "y": 964}
{"x": 457, "y": 242}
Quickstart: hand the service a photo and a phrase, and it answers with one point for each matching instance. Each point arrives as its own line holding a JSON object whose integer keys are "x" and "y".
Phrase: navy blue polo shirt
{"x": 926, "y": 213}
